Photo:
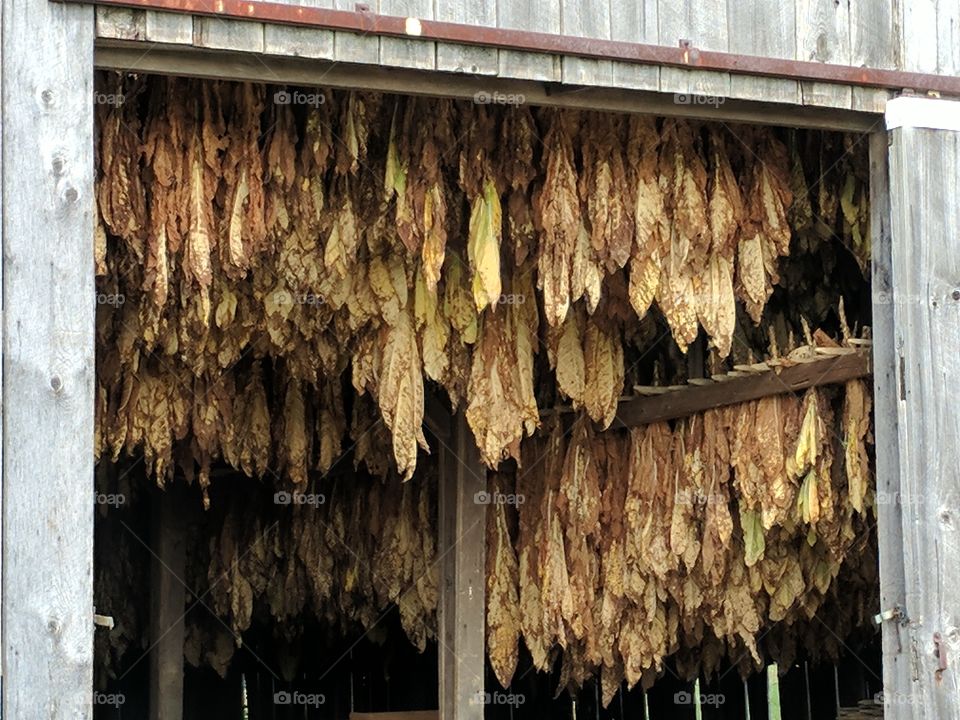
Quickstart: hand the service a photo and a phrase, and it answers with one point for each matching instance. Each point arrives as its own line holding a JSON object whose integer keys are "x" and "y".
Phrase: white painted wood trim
{"x": 929, "y": 113}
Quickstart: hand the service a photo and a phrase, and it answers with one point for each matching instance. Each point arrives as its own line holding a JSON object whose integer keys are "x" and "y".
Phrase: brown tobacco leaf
{"x": 503, "y": 604}
{"x": 400, "y": 392}
{"x": 603, "y": 375}
{"x": 570, "y": 361}
{"x": 642, "y": 157}
{"x": 557, "y": 213}
{"x": 502, "y": 406}
{"x": 856, "y": 433}
{"x": 604, "y": 191}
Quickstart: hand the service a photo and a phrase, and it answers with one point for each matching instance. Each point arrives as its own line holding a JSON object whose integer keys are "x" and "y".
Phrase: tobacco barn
{"x": 516, "y": 360}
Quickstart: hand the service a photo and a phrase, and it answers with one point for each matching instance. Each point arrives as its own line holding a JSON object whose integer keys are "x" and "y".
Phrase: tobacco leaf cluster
{"x": 611, "y": 552}
{"x": 293, "y": 276}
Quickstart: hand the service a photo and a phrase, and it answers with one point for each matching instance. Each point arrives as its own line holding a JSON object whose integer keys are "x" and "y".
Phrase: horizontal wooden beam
{"x": 828, "y": 370}
{"x": 684, "y": 56}
{"x": 189, "y": 61}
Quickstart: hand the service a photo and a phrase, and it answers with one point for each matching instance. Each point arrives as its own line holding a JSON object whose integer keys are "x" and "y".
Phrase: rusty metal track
{"x": 683, "y": 56}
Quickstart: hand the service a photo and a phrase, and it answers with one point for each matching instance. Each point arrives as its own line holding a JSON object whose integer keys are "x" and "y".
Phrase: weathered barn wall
{"x": 853, "y": 32}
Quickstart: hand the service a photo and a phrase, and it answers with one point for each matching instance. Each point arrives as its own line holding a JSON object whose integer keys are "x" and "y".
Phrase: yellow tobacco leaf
{"x": 483, "y": 246}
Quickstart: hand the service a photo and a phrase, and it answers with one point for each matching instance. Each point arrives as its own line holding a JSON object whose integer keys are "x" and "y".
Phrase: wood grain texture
{"x": 356, "y": 47}
{"x": 167, "y": 601}
{"x": 635, "y": 22}
{"x": 896, "y": 664}
{"x": 636, "y": 411}
{"x": 462, "y": 547}
{"x": 169, "y": 28}
{"x": 948, "y": 37}
{"x": 299, "y": 42}
{"x": 925, "y": 219}
{"x": 768, "y": 29}
{"x": 220, "y": 34}
{"x": 586, "y": 18}
{"x": 874, "y": 42}
{"x": 541, "y": 14}
{"x": 48, "y": 359}
{"x": 121, "y": 23}
{"x": 918, "y": 35}
{"x": 704, "y": 24}
{"x": 463, "y": 58}
{"x": 396, "y": 52}
{"x": 823, "y": 35}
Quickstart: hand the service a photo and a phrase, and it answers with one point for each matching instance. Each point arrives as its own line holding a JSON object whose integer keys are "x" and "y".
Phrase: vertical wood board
{"x": 463, "y": 58}
{"x": 223, "y": 34}
{"x": 398, "y": 52}
{"x": 356, "y": 47}
{"x": 823, "y": 35}
{"x": 768, "y": 29}
{"x": 169, "y": 28}
{"x": 925, "y": 221}
{"x": 541, "y": 14}
{"x": 586, "y": 18}
{"x": 704, "y": 24}
{"x": 121, "y": 23}
{"x": 896, "y": 666}
{"x": 635, "y": 22}
{"x": 48, "y": 359}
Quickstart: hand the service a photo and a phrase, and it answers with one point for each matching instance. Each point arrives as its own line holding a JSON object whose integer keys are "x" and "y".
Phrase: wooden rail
{"x": 827, "y": 370}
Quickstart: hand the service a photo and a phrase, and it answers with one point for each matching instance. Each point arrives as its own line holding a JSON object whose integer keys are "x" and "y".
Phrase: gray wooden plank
{"x": 167, "y": 602}
{"x": 397, "y": 52}
{"x": 874, "y": 42}
{"x": 948, "y": 37}
{"x": 768, "y": 29}
{"x": 541, "y": 14}
{"x": 46, "y": 191}
{"x": 298, "y": 41}
{"x": 463, "y": 58}
{"x": 823, "y": 35}
{"x": 896, "y": 665}
{"x": 462, "y": 604}
{"x": 918, "y": 34}
{"x": 121, "y": 23}
{"x": 220, "y": 34}
{"x": 356, "y": 47}
{"x": 635, "y": 22}
{"x": 591, "y": 19}
{"x": 925, "y": 212}
{"x": 169, "y": 28}
{"x": 704, "y": 24}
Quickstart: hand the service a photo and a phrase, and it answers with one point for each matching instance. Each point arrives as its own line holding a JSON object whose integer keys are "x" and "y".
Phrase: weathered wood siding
{"x": 925, "y": 262}
{"x": 48, "y": 359}
{"x": 866, "y": 32}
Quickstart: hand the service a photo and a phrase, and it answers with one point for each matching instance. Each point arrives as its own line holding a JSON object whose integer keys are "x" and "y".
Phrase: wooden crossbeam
{"x": 831, "y": 369}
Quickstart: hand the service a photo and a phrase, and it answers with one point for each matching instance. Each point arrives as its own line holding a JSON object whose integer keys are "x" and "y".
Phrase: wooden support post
{"x": 925, "y": 254}
{"x": 889, "y": 519}
{"x": 462, "y": 608}
{"x": 46, "y": 186}
{"x": 167, "y": 602}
